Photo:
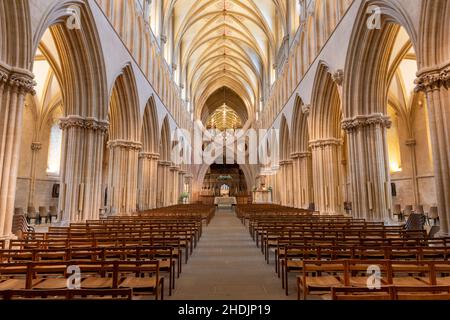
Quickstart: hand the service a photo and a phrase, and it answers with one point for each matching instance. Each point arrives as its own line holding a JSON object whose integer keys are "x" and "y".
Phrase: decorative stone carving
{"x": 132, "y": 145}
{"x": 23, "y": 82}
{"x": 358, "y": 122}
{"x": 149, "y": 155}
{"x": 338, "y": 77}
{"x": 36, "y": 146}
{"x": 322, "y": 143}
{"x": 306, "y": 109}
{"x": 432, "y": 79}
{"x": 83, "y": 123}
{"x": 18, "y": 78}
{"x": 301, "y": 155}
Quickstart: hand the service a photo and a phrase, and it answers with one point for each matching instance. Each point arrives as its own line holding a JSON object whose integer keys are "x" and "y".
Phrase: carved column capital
{"x": 20, "y": 79}
{"x": 322, "y": 143}
{"x": 125, "y": 144}
{"x": 36, "y": 146}
{"x": 75, "y": 121}
{"x": 433, "y": 78}
{"x": 358, "y": 122}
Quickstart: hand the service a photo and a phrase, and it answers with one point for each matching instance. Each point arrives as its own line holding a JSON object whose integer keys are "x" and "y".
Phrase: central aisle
{"x": 226, "y": 265}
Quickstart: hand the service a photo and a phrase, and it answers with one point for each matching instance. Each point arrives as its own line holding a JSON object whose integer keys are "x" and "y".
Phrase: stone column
{"x": 181, "y": 177}
{"x": 189, "y": 179}
{"x": 174, "y": 172}
{"x": 163, "y": 183}
{"x": 154, "y": 180}
{"x": 306, "y": 183}
{"x": 287, "y": 182}
{"x": 435, "y": 82}
{"x": 296, "y": 180}
{"x": 35, "y": 148}
{"x": 281, "y": 180}
{"x": 277, "y": 184}
{"x": 411, "y": 144}
{"x": 370, "y": 189}
{"x": 122, "y": 180}
{"x": 144, "y": 175}
{"x": 14, "y": 85}
{"x": 81, "y": 168}
{"x": 325, "y": 169}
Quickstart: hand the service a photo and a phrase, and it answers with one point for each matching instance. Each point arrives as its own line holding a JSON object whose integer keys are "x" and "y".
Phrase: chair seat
{"x": 49, "y": 284}
{"x": 294, "y": 264}
{"x": 408, "y": 282}
{"x": 139, "y": 283}
{"x": 164, "y": 264}
{"x": 15, "y": 284}
{"x": 97, "y": 283}
{"x": 443, "y": 281}
{"x": 323, "y": 282}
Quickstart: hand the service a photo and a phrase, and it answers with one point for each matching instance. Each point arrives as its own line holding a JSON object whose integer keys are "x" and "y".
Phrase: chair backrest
{"x": 43, "y": 211}
{"x": 408, "y": 210}
{"x": 53, "y": 211}
{"x": 18, "y": 211}
{"x": 433, "y": 213}
{"x": 397, "y": 208}
{"x": 419, "y": 209}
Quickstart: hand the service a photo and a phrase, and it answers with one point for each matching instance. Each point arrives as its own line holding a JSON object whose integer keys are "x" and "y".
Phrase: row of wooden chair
{"x": 322, "y": 276}
{"x": 391, "y": 293}
{"x": 408, "y": 210}
{"x": 140, "y": 276}
{"x": 134, "y": 252}
{"x": 42, "y": 216}
{"x": 68, "y": 294}
{"x": 290, "y": 257}
{"x": 167, "y": 256}
{"x": 297, "y": 238}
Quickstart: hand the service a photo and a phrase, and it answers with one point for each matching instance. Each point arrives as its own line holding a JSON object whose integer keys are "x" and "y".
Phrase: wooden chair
{"x": 361, "y": 293}
{"x": 421, "y": 293}
{"x": 433, "y": 215}
{"x": 53, "y": 213}
{"x": 43, "y": 215}
{"x": 141, "y": 276}
{"x": 32, "y": 215}
{"x": 419, "y": 209}
{"x": 67, "y": 294}
{"x": 321, "y": 276}
{"x": 398, "y": 212}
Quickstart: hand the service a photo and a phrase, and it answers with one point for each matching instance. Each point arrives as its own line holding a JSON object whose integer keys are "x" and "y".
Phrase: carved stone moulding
{"x": 433, "y": 78}
{"x": 125, "y": 144}
{"x": 75, "y": 121}
{"x": 149, "y": 155}
{"x": 36, "y": 146}
{"x": 362, "y": 121}
{"x": 322, "y": 143}
{"x": 20, "y": 79}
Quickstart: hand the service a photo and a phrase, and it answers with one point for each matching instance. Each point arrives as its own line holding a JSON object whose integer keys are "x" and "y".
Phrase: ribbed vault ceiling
{"x": 227, "y": 43}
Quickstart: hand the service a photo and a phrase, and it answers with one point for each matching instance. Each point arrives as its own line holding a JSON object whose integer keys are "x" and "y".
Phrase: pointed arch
{"x": 326, "y": 106}
{"x": 300, "y": 130}
{"x": 150, "y": 132}
{"x": 124, "y": 107}
{"x": 84, "y": 76}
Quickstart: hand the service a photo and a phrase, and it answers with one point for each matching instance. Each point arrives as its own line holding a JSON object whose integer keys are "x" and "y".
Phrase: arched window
{"x": 54, "y": 150}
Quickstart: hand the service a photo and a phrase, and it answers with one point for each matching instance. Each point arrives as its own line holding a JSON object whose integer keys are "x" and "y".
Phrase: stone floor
{"x": 226, "y": 265}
